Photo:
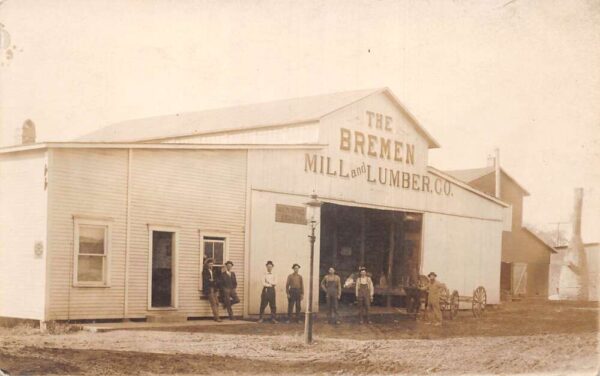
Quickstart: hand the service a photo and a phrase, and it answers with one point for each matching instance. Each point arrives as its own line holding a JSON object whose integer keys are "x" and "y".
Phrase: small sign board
{"x": 290, "y": 214}
{"x": 38, "y": 249}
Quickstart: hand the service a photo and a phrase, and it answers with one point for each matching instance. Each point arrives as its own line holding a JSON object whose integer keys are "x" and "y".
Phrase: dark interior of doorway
{"x": 386, "y": 242}
{"x": 162, "y": 269}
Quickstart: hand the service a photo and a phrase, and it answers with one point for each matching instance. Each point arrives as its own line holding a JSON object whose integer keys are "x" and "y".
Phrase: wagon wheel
{"x": 479, "y": 301}
{"x": 444, "y": 300}
{"x": 454, "y": 304}
{"x": 422, "y": 282}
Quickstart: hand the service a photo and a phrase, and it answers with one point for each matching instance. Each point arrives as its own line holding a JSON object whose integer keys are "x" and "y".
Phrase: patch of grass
{"x": 55, "y": 327}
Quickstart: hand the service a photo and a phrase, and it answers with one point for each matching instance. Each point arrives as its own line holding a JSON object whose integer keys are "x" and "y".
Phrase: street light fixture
{"x": 311, "y": 212}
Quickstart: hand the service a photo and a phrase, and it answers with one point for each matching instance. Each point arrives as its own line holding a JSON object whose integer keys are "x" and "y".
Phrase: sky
{"x": 519, "y": 75}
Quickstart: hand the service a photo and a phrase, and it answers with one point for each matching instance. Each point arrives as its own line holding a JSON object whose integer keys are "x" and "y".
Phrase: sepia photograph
{"x": 261, "y": 187}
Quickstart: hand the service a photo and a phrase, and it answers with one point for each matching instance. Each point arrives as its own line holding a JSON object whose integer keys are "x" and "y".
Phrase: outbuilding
{"x": 116, "y": 225}
{"x": 525, "y": 256}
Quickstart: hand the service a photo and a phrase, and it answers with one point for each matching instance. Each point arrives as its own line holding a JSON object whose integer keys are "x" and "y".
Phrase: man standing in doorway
{"x": 267, "y": 297}
{"x": 294, "y": 288}
{"x": 434, "y": 312}
{"x": 228, "y": 285}
{"x": 210, "y": 288}
{"x": 332, "y": 285}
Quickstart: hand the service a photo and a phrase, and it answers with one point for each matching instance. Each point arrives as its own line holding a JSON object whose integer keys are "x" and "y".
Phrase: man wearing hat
{"x": 434, "y": 313}
{"x": 294, "y": 287}
{"x": 267, "y": 297}
{"x": 210, "y": 288}
{"x": 228, "y": 285}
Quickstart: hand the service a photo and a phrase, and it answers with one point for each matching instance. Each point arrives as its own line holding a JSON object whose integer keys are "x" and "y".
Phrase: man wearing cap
{"x": 294, "y": 288}
{"x": 228, "y": 285}
{"x": 210, "y": 288}
{"x": 434, "y": 313}
{"x": 267, "y": 297}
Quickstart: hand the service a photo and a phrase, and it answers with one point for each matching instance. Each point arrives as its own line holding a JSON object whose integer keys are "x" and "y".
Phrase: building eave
{"x": 135, "y": 145}
{"x": 537, "y": 238}
{"x": 466, "y": 186}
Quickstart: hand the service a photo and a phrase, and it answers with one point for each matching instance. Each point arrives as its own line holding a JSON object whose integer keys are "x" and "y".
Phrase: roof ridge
{"x": 251, "y": 104}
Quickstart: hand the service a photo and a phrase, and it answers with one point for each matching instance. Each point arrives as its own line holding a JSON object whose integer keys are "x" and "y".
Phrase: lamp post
{"x": 311, "y": 212}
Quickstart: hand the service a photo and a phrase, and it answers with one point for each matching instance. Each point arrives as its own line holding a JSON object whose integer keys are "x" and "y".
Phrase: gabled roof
{"x": 261, "y": 115}
{"x": 472, "y": 174}
{"x": 466, "y": 186}
{"x": 540, "y": 240}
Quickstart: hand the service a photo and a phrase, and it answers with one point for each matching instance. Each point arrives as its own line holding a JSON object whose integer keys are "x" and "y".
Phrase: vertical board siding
{"x": 464, "y": 253}
{"x": 23, "y": 208}
{"x": 189, "y": 190}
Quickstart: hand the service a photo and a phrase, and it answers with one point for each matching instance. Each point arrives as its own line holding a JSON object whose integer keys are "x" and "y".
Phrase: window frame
{"x": 174, "y": 266}
{"x": 212, "y": 234}
{"x": 106, "y": 271}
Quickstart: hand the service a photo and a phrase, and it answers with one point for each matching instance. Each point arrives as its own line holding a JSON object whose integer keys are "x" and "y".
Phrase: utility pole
{"x": 557, "y": 241}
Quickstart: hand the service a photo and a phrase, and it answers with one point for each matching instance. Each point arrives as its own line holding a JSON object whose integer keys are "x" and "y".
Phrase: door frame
{"x": 174, "y": 267}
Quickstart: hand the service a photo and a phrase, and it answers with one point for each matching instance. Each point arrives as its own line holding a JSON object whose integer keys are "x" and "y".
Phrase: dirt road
{"x": 548, "y": 337}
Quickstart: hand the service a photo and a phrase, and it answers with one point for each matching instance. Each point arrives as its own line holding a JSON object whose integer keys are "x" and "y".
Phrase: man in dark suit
{"x": 210, "y": 287}
{"x": 228, "y": 285}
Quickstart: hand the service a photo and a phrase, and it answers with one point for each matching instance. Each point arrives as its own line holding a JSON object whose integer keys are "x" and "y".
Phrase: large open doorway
{"x": 162, "y": 275}
{"x": 387, "y": 243}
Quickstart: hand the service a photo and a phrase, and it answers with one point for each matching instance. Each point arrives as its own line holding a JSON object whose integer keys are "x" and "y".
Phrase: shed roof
{"x": 283, "y": 112}
{"x": 540, "y": 240}
{"x": 472, "y": 174}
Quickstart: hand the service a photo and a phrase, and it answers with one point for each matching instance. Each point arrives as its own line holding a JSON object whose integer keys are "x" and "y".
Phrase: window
{"x": 214, "y": 247}
{"x": 92, "y": 244}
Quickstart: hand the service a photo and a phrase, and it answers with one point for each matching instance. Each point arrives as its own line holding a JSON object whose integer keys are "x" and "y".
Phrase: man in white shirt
{"x": 267, "y": 297}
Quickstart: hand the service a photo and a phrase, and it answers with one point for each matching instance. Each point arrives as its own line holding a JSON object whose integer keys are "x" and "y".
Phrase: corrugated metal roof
{"x": 284, "y": 112}
{"x": 290, "y": 111}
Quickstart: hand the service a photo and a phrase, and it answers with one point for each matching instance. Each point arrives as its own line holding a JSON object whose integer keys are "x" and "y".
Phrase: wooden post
{"x": 391, "y": 257}
{"x": 334, "y": 245}
{"x": 362, "y": 237}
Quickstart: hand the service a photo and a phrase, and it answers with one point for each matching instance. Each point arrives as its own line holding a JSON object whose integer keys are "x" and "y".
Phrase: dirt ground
{"x": 519, "y": 337}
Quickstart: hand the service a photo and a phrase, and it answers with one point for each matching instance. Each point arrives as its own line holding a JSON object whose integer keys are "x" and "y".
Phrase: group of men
{"x": 226, "y": 285}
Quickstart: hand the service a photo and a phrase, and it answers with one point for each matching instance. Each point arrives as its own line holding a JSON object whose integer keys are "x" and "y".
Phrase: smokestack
{"x": 497, "y": 169}
{"x": 574, "y": 279}
{"x": 28, "y": 132}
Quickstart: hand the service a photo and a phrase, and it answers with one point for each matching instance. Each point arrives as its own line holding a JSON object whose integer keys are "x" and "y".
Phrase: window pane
{"x": 90, "y": 268}
{"x": 218, "y": 250}
{"x": 208, "y": 250}
{"x": 91, "y": 239}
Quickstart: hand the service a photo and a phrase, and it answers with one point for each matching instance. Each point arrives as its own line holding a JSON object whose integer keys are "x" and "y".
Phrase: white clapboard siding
{"x": 188, "y": 190}
{"x": 192, "y": 190}
{"x": 23, "y": 203}
{"x": 91, "y": 183}
{"x": 296, "y": 133}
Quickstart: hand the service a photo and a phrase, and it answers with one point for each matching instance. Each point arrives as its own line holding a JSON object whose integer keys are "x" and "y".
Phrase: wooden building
{"x": 525, "y": 257}
{"x": 117, "y": 224}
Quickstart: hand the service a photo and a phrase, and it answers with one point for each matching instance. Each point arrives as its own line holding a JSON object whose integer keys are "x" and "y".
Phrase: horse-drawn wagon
{"x": 450, "y": 302}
